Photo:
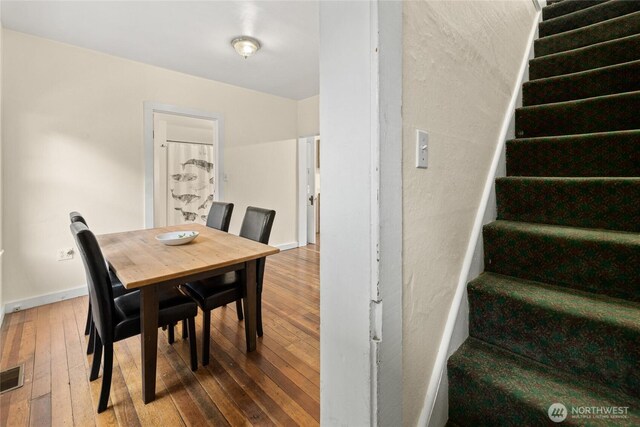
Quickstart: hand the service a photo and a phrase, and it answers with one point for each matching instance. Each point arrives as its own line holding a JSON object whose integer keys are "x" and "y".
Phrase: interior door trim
{"x": 154, "y": 107}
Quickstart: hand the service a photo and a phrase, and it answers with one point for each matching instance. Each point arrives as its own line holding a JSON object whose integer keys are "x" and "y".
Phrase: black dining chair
{"x": 219, "y": 218}
{"x": 115, "y": 319}
{"x": 118, "y": 289}
{"x": 221, "y": 290}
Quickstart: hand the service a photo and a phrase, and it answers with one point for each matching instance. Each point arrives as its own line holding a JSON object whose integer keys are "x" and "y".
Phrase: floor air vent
{"x": 11, "y": 379}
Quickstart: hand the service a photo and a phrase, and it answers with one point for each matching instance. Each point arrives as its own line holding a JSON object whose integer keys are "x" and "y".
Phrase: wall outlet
{"x": 17, "y": 308}
{"x": 65, "y": 254}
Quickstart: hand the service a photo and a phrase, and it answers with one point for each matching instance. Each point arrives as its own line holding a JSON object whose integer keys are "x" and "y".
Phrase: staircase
{"x": 555, "y": 317}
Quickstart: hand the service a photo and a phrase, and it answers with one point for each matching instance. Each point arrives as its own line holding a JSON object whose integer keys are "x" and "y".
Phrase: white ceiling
{"x": 191, "y": 37}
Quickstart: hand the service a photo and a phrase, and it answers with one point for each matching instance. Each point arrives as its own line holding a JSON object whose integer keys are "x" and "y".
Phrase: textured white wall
{"x": 460, "y": 66}
{"x": 73, "y": 139}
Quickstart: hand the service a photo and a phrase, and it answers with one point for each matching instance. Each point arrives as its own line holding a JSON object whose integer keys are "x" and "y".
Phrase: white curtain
{"x": 191, "y": 186}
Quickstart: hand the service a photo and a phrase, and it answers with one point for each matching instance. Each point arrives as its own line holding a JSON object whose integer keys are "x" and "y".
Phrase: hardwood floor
{"x": 278, "y": 384}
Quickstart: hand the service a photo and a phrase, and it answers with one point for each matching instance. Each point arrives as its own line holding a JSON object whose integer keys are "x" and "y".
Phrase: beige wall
{"x": 73, "y": 139}
{"x": 269, "y": 165}
{"x": 460, "y": 65}
{"x": 309, "y": 116}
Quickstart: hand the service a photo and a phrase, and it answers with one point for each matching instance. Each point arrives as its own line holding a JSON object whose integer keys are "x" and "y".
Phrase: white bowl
{"x": 176, "y": 238}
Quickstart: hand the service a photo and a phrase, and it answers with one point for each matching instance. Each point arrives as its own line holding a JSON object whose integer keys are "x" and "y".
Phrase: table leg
{"x": 149, "y": 340}
{"x": 250, "y": 304}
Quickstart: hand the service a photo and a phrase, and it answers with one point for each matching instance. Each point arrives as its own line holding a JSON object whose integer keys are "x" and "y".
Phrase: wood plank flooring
{"x": 278, "y": 384}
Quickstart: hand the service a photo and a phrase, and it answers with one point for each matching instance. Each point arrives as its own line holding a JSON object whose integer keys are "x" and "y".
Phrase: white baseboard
{"x": 435, "y": 409}
{"x": 287, "y": 246}
{"x": 26, "y": 303}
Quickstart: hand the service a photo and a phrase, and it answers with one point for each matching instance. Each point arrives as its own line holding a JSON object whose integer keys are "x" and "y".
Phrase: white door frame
{"x": 153, "y": 107}
{"x": 361, "y": 252}
{"x": 303, "y": 145}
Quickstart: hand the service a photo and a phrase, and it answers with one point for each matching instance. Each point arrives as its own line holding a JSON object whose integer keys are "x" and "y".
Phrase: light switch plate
{"x": 422, "y": 148}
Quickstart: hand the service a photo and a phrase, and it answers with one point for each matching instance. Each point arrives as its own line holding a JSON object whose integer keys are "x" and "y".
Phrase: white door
{"x": 311, "y": 191}
{"x": 184, "y": 170}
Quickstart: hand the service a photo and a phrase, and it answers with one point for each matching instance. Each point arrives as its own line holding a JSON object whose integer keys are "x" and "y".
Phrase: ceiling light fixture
{"x": 245, "y": 46}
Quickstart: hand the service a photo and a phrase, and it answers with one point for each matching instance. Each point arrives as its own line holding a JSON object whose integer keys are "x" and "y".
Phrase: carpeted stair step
{"x": 609, "y": 203}
{"x": 585, "y": 334}
{"x": 599, "y": 114}
{"x": 555, "y": 317}
{"x": 489, "y": 386}
{"x": 612, "y": 29}
{"x": 599, "y": 261}
{"x": 568, "y": 6}
{"x": 588, "y": 16}
{"x": 603, "y": 54}
{"x": 596, "y": 155}
{"x": 610, "y": 80}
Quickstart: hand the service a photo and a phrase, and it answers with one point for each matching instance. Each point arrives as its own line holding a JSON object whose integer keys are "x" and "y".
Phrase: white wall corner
{"x": 360, "y": 342}
{"x": 435, "y": 409}
{"x": 388, "y": 163}
{"x": 23, "y": 304}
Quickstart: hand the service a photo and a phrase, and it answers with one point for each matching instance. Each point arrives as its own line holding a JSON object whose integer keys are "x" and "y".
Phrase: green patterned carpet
{"x": 555, "y": 317}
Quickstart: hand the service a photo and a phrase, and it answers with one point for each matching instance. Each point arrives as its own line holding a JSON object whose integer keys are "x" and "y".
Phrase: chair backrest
{"x": 220, "y": 215}
{"x": 256, "y": 225}
{"x": 77, "y": 217}
{"x": 100, "y": 290}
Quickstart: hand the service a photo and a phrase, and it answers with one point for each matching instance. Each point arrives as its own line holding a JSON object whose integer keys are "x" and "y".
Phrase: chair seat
{"x": 216, "y": 291}
{"x": 173, "y": 307}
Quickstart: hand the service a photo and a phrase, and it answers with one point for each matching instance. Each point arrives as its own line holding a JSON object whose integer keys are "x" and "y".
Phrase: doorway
{"x": 184, "y": 165}
{"x": 309, "y": 190}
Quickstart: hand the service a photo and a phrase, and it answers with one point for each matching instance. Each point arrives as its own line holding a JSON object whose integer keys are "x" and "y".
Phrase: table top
{"x": 138, "y": 259}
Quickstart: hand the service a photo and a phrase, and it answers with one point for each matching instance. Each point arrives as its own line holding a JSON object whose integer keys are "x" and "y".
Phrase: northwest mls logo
{"x": 557, "y": 412}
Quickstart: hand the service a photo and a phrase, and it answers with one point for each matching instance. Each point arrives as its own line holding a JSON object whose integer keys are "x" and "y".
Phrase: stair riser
{"x": 588, "y": 16}
{"x": 473, "y": 402}
{"x": 608, "y": 204}
{"x": 599, "y": 156}
{"x": 604, "y": 267}
{"x": 604, "y": 114}
{"x": 599, "y": 82}
{"x": 582, "y": 346}
{"x": 568, "y": 6}
{"x": 600, "y": 55}
{"x": 609, "y": 30}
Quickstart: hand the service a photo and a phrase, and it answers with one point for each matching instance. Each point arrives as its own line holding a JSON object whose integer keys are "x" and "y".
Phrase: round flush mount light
{"x": 245, "y": 46}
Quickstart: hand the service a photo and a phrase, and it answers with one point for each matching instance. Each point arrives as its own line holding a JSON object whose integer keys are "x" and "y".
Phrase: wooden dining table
{"x": 142, "y": 262}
